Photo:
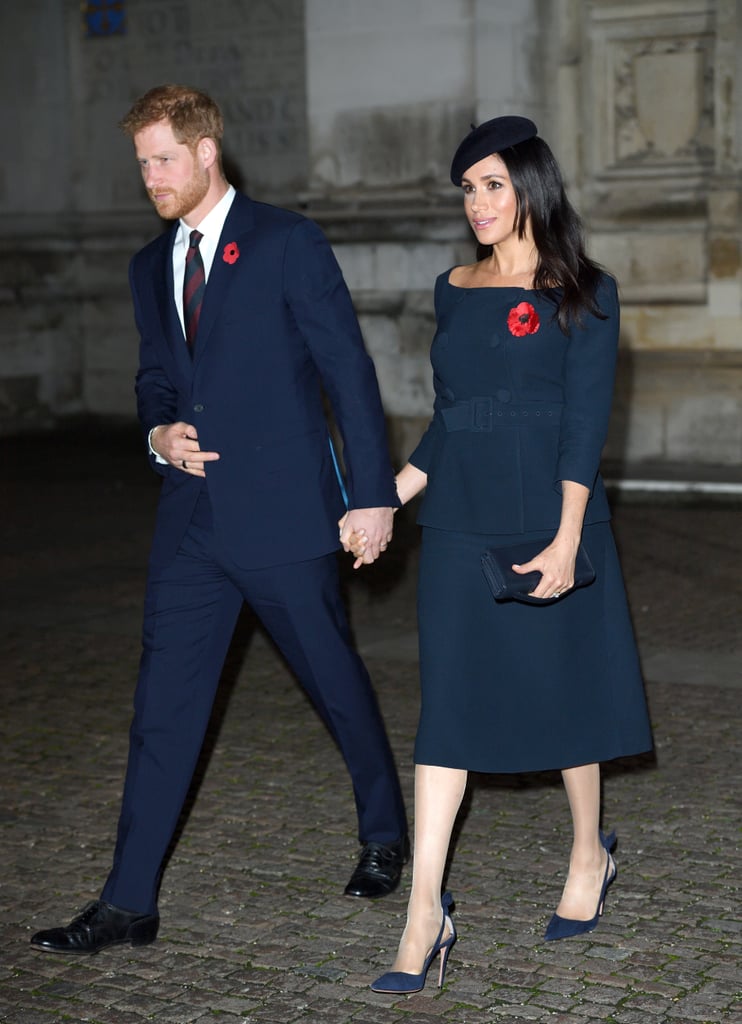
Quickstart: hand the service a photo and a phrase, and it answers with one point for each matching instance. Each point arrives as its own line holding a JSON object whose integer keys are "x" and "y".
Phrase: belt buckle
{"x": 481, "y": 415}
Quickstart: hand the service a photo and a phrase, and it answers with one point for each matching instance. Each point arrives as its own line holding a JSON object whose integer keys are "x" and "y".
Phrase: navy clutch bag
{"x": 507, "y": 585}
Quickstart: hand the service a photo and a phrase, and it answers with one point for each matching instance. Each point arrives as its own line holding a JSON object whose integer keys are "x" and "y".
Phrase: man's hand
{"x": 368, "y": 528}
{"x": 178, "y": 444}
{"x": 356, "y": 543}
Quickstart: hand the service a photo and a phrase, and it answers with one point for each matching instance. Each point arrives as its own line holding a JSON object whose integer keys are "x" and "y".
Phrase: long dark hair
{"x": 566, "y": 275}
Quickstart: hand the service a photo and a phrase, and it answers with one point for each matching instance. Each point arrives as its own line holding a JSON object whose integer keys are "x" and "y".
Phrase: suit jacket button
{"x": 198, "y": 408}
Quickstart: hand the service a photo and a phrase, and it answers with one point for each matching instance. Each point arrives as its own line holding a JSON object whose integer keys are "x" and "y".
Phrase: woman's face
{"x": 490, "y": 202}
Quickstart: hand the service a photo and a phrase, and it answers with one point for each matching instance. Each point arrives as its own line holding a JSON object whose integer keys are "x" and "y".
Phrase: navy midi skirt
{"x": 513, "y": 687}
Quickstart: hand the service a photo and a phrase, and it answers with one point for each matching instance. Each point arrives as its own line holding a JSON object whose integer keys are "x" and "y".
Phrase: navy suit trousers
{"x": 191, "y": 609}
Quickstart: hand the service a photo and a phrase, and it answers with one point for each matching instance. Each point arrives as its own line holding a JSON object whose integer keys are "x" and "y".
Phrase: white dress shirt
{"x": 211, "y": 229}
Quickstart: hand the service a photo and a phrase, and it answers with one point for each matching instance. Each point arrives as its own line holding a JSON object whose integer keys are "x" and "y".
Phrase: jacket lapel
{"x": 164, "y": 293}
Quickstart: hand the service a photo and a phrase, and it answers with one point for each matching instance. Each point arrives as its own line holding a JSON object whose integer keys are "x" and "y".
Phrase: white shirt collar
{"x": 212, "y": 224}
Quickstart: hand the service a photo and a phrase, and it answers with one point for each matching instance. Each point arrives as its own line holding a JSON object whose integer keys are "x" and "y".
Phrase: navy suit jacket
{"x": 277, "y": 326}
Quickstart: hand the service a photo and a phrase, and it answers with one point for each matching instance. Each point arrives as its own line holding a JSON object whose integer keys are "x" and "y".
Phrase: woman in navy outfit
{"x": 524, "y": 359}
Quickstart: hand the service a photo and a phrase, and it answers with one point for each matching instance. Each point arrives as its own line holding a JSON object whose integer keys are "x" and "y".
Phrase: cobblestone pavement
{"x": 254, "y": 924}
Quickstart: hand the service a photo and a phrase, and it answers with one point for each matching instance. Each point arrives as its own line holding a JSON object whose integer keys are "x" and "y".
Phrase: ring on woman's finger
{"x": 557, "y": 593}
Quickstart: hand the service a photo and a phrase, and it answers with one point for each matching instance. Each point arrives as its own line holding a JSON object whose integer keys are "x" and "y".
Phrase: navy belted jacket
{"x": 519, "y": 407}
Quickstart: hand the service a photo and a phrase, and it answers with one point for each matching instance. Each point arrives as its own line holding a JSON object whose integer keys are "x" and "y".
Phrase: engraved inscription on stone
{"x": 248, "y": 54}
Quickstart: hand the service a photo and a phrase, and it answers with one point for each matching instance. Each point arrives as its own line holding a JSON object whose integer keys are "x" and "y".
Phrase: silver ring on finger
{"x": 557, "y": 593}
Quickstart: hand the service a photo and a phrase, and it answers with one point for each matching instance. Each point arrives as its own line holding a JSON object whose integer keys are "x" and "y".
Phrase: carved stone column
{"x": 725, "y": 197}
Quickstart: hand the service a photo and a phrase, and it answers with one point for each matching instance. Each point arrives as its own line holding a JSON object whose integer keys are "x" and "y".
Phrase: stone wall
{"x": 350, "y": 111}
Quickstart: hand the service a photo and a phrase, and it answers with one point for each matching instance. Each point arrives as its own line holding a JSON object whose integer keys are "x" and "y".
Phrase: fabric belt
{"x": 483, "y": 414}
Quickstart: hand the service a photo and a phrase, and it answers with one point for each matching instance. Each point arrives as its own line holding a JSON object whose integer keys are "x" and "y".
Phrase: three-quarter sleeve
{"x": 589, "y": 377}
{"x": 422, "y": 456}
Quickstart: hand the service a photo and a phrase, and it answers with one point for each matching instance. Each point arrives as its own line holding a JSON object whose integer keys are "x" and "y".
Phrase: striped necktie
{"x": 194, "y": 285}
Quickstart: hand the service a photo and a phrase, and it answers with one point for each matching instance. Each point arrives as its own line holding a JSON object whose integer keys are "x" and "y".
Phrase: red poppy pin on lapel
{"x": 231, "y": 253}
{"x": 523, "y": 319}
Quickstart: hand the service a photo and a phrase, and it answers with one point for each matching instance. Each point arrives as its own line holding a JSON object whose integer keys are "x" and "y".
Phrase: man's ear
{"x": 208, "y": 152}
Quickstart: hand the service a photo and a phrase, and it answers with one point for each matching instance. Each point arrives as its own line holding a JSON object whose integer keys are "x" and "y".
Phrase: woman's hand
{"x": 556, "y": 563}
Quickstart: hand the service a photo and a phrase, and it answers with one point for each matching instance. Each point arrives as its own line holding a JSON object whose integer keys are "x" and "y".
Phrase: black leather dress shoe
{"x": 379, "y": 869}
{"x": 99, "y": 925}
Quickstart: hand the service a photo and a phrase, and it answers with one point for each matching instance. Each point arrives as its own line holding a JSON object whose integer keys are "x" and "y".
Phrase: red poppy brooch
{"x": 231, "y": 253}
{"x": 523, "y": 319}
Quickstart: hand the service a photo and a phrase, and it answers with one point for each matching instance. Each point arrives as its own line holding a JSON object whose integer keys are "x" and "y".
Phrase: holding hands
{"x": 366, "y": 533}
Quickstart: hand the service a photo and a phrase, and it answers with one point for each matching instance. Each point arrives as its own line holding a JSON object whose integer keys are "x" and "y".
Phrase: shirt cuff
{"x": 158, "y": 457}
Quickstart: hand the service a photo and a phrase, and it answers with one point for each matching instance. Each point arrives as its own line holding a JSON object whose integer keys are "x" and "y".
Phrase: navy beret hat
{"x": 490, "y": 137}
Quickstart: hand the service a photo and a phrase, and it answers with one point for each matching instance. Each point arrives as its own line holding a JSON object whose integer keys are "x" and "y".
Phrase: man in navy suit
{"x": 243, "y": 318}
